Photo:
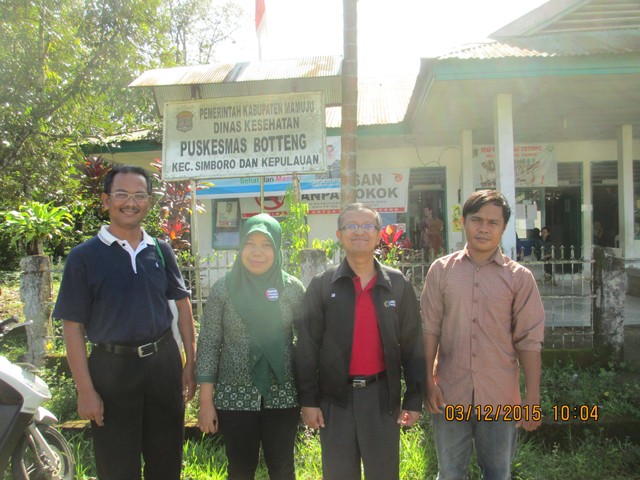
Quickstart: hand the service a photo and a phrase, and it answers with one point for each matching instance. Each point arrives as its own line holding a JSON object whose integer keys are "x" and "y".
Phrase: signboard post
{"x": 281, "y": 134}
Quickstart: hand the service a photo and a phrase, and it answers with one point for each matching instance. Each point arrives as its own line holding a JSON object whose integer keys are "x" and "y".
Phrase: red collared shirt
{"x": 367, "y": 354}
{"x": 482, "y": 315}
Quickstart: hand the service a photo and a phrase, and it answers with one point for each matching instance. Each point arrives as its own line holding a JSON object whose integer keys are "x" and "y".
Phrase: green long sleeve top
{"x": 223, "y": 352}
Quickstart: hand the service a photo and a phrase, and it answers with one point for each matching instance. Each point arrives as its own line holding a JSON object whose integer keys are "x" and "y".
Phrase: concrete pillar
{"x": 505, "y": 163}
{"x": 466, "y": 142}
{"x": 312, "y": 262}
{"x": 587, "y": 218}
{"x": 625, "y": 191}
{"x": 609, "y": 287}
{"x": 35, "y": 293}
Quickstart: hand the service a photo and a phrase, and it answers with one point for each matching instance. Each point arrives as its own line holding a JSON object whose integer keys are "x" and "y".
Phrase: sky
{"x": 392, "y": 35}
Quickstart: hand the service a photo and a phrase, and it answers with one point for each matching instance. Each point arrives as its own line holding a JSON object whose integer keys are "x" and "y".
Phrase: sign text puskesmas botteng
{"x": 244, "y": 136}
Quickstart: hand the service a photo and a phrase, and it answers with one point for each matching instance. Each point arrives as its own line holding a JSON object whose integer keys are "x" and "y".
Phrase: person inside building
{"x": 245, "y": 365}
{"x": 545, "y": 253}
{"x": 483, "y": 322}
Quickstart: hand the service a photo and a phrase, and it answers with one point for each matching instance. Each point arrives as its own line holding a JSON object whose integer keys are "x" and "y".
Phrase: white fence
{"x": 564, "y": 283}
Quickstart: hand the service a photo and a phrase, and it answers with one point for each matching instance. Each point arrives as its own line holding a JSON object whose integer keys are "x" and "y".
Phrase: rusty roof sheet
{"x": 307, "y": 67}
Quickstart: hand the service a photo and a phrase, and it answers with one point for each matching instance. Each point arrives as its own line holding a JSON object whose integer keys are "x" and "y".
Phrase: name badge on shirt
{"x": 272, "y": 294}
{"x": 390, "y": 303}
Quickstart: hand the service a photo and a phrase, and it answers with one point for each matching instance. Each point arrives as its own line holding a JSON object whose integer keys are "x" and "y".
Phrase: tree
{"x": 198, "y": 26}
{"x": 66, "y": 67}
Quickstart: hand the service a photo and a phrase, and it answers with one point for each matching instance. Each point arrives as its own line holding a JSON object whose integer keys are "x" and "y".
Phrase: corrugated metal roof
{"x": 577, "y": 27}
{"x": 487, "y": 50}
{"x": 308, "y": 67}
{"x": 581, "y": 43}
{"x": 191, "y": 75}
{"x": 560, "y": 16}
{"x": 381, "y": 101}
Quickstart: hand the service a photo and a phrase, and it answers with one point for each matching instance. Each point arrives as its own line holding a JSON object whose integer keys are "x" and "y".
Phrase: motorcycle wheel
{"x": 26, "y": 464}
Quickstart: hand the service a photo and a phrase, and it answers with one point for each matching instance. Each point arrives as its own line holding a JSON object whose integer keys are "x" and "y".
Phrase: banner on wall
{"x": 276, "y": 185}
{"x": 385, "y": 190}
{"x": 535, "y": 166}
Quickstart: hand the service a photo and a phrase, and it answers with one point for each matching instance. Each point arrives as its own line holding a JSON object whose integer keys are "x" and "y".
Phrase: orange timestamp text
{"x": 582, "y": 413}
{"x": 491, "y": 413}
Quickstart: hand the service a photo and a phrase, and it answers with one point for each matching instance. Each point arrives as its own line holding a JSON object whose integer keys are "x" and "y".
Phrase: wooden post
{"x": 609, "y": 287}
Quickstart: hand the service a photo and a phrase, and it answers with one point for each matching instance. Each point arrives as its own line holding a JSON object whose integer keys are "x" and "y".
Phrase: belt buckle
{"x": 359, "y": 382}
{"x": 147, "y": 349}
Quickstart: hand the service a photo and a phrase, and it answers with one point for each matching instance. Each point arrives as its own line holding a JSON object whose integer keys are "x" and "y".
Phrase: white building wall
{"x": 324, "y": 226}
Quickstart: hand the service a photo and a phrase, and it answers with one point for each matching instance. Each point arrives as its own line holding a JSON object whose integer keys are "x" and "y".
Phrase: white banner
{"x": 385, "y": 190}
{"x": 535, "y": 166}
{"x": 244, "y": 136}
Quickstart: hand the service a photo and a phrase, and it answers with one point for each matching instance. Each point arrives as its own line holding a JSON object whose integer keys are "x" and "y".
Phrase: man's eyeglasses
{"x": 124, "y": 196}
{"x": 352, "y": 227}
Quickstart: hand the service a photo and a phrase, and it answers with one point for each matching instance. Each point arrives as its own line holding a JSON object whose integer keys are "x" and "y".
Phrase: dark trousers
{"x": 143, "y": 414}
{"x": 363, "y": 430}
{"x": 242, "y": 433}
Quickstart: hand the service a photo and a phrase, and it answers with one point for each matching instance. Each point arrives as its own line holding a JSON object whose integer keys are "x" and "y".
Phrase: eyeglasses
{"x": 124, "y": 196}
{"x": 352, "y": 227}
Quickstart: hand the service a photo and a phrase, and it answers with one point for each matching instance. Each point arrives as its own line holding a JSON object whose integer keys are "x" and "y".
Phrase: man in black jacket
{"x": 360, "y": 331}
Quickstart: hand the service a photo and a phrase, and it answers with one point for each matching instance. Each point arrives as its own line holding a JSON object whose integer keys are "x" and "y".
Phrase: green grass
{"x": 593, "y": 457}
{"x": 590, "y": 456}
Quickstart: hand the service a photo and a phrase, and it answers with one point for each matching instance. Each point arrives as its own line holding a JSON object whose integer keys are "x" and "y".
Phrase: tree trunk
{"x": 349, "y": 102}
{"x": 35, "y": 293}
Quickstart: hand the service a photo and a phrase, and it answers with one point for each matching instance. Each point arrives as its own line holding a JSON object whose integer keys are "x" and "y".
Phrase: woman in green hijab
{"x": 245, "y": 351}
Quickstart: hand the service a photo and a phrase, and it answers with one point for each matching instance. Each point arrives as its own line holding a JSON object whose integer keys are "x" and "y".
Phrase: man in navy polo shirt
{"x": 115, "y": 293}
{"x": 360, "y": 332}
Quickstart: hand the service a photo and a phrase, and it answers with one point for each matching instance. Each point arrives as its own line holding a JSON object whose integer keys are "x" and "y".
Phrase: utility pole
{"x": 349, "y": 125}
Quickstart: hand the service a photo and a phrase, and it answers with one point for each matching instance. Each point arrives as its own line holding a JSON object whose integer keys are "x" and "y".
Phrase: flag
{"x": 259, "y": 13}
{"x": 261, "y": 27}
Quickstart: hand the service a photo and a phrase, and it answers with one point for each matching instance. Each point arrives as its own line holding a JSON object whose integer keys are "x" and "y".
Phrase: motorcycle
{"x": 28, "y": 438}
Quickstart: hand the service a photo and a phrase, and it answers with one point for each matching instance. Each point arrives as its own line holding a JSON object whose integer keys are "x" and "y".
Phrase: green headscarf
{"x": 257, "y": 300}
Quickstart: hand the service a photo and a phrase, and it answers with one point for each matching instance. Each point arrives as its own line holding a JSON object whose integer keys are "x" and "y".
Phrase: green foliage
{"x": 294, "y": 231}
{"x": 591, "y": 458}
{"x": 35, "y": 222}
{"x": 174, "y": 209}
{"x": 198, "y": 26}
{"x": 566, "y": 384}
{"x": 66, "y": 67}
{"x": 64, "y": 61}
{"x": 393, "y": 245}
{"x": 63, "y": 403}
{"x": 329, "y": 246}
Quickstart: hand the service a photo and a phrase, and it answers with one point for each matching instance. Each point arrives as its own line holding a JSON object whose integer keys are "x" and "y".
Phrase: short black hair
{"x": 359, "y": 206}
{"x": 479, "y": 199}
{"x": 108, "y": 179}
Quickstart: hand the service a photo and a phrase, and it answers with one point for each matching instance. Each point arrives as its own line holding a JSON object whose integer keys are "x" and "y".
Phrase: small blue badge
{"x": 390, "y": 303}
{"x": 272, "y": 294}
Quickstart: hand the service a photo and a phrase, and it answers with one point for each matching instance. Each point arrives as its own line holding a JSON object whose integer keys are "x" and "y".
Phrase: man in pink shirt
{"x": 483, "y": 320}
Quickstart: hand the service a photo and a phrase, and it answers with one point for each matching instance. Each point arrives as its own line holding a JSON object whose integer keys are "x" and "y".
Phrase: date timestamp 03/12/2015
{"x": 518, "y": 413}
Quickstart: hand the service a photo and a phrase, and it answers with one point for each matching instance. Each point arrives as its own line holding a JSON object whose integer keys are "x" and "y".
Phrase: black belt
{"x": 138, "y": 350}
{"x": 360, "y": 381}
